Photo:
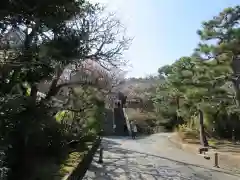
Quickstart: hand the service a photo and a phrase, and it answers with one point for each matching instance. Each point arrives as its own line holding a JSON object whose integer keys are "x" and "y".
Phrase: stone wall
{"x": 120, "y": 122}
{"x": 108, "y": 123}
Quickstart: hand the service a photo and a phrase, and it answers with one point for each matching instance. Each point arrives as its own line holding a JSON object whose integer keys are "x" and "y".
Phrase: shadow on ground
{"x": 120, "y": 163}
{"x": 138, "y": 137}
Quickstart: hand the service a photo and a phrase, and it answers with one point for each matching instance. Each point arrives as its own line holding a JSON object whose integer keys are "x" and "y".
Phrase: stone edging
{"x": 79, "y": 172}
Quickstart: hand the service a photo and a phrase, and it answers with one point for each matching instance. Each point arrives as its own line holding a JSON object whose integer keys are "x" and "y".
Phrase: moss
{"x": 212, "y": 142}
{"x": 64, "y": 114}
{"x": 49, "y": 169}
{"x": 71, "y": 163}
{"x": 28, "y": 91}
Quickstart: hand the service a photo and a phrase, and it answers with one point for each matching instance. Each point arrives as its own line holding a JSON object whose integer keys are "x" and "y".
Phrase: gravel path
{"x": 151, "y": 158}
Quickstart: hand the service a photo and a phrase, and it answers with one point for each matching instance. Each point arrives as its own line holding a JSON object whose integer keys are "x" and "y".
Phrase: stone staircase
{"x": 118, "y": 117}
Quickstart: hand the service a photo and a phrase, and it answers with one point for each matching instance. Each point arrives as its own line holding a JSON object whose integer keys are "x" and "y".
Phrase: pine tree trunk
{"x": 237, "y": 92}
{"x": 236, "y": 89}
{"x": 34, "y": 91}
{"x": 203, "y": 139}
{"x": 178, "y": 107}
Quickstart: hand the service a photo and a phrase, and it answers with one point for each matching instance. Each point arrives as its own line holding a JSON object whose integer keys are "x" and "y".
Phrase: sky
{"x": 163, "y": 30}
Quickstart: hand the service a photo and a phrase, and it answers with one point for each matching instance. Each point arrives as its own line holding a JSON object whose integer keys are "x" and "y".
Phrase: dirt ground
{"x": 228, "y": 153}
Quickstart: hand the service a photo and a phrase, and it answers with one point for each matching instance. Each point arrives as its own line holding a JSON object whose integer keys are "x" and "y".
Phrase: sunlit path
{"x": 128, "y": 159}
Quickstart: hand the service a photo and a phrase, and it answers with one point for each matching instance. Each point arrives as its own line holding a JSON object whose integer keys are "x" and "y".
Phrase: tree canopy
{"x": 63, "y": 51}
{"x": 206, "y": 83}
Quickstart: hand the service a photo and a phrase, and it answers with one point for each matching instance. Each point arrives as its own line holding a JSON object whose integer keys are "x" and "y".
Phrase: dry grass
{"x": 143, "y": 119}
{"x": 229, "y": 153}
{"x": 190, "y": 136}
{"x": 136, "y": 114}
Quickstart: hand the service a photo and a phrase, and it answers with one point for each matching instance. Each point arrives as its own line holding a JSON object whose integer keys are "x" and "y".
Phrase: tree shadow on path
{"x": 124, "y": 164}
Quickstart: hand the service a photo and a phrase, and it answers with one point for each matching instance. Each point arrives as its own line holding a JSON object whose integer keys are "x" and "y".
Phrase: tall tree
{"x": 50, "y": 36}
{"x": 195, "y": 86}
{"x": 223, "y": 30}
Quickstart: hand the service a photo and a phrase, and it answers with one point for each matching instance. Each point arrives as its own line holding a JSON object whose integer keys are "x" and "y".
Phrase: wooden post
{"x": 100, "y": 160}
{"x": 216, "y": 160}
{"x": 233, "y": 136}
{"x": 113, "y": 117}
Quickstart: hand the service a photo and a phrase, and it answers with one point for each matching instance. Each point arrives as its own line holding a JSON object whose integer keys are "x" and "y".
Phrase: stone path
{"x": 151, "y": 158}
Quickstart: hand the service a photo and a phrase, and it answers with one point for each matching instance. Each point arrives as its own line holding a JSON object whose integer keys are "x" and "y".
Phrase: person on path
{"x": 134, "y": 130}
{"x": 131, "y": 128}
